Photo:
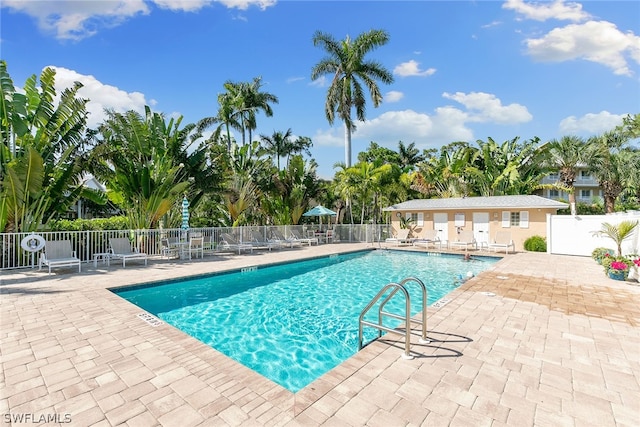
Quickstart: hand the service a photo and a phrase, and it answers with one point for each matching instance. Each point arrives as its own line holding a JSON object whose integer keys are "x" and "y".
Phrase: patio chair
{"x": 401, "y": 237}
{"x": 167, "y": 249}
{"x": 208, "y": 244}
{"x": 121, "y": 249}
{"x": 58, "y": 253}
{"x": 196, "y": 245}
{"x": 227, "y": 242}
{"x": 277, "y": 236}
{"x": 502, "y": 241}
{"x": 329, "y": 236}
{"x": 430, "y": 239}
{"x": 465, "y": 240}
{"x": 295, "y": 235}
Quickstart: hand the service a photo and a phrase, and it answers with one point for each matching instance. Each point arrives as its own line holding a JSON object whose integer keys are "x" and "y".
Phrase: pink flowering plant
{"x": 618, "y": 264}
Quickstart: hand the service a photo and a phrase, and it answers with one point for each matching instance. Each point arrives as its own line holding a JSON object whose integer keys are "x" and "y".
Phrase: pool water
{"x": 294, "y": 322}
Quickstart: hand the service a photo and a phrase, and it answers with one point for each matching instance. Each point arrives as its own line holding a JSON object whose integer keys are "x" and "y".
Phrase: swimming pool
{"x": 294, "y": 322}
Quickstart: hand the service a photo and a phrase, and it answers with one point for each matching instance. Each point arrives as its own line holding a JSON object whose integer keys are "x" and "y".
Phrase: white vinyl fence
{"x": 574, "y": 235}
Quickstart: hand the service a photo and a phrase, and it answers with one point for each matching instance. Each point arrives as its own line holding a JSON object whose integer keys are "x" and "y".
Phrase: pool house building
{"x": 522, "y": 215}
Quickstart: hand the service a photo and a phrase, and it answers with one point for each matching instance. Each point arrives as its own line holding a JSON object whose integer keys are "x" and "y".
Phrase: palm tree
{"x": 349, "y": 70}
{"x": 409, "y": 155}
{"x": 277, "y": 144}
{"x": 618, "y": 233}
{"x": 607, "y": 162}
{"x": 253, "y": 100}
{"x": 567, "y": 154}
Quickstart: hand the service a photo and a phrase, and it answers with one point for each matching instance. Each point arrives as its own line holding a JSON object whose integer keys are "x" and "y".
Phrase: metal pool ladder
{"x": 393, "y": 289}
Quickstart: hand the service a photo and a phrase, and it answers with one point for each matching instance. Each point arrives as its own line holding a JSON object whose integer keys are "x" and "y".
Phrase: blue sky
{"x": 463, "y": 70}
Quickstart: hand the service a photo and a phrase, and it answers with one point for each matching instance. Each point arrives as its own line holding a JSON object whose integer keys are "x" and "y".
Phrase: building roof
{"x": 491, "y": 202}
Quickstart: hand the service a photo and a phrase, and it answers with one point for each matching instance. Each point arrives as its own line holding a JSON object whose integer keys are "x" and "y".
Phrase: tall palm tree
{"x": 567, "y": 154}
{"x": 607, "y": 162}
{"x": 277, "y": 144}
{"x": 238, "y": 106}
{"x": 253, "y": 100}
{"x": 349, "y": 70}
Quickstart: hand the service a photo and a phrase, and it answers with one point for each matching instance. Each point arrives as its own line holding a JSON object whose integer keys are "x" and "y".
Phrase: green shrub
{"x": 113, "y": 223}
{"x": 535, "y": 244}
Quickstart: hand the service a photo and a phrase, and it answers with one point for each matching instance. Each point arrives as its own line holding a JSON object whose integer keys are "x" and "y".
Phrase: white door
{"x": 481, "y": 227}
{"x": 441, "y": 223}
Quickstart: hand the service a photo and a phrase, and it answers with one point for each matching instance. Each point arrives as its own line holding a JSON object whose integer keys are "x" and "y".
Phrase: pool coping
{"x": 154, "y": 320}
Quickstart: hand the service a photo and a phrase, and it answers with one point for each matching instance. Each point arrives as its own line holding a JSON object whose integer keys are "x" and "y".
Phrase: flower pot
{"x": 617, "y": 275}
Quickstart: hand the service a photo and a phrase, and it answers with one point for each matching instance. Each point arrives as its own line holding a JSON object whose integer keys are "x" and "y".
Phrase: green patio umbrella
{"x": 319, "y": 211}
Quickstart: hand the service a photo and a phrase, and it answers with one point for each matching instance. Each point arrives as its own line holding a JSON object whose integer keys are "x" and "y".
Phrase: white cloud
{"x": 542, "y": 11}
{"x": 595, "y": 41}
{"x": 590, "y": 124}
{"x": 294, "y": 79}
{"x": 76, "y": 20}
{"x": 245, "y": 4}
{"x": 393, "y": 96}
{"x": 332, "y": 137}
{"x": 101, "y": 96}
{"x": 319, "y": 82}
{"x": 182, "y": 5}
{"x": 446, "y": 125}
{"x": 485, "y": 107}
{"x": 443, "y": 127}
{"x": 412, "y": 68}
{"x": 492, "y": 24}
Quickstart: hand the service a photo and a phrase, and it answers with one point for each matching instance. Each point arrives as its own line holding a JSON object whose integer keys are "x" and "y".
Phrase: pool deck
{"x": 536, "y": 340}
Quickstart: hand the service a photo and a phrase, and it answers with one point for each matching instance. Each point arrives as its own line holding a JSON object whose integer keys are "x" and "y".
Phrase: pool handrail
{"x": 395, "y": 287}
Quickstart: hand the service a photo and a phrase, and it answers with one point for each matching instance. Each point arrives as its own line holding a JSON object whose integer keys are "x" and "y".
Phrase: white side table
{"x": 105, "y": 257}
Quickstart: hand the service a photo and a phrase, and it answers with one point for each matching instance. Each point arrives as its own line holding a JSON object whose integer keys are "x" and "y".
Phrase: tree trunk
{"x": 347, "y": 145}
{"x": 572, "y": 200}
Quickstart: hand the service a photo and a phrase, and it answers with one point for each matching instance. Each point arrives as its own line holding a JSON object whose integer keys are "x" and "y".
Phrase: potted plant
{"x": 617, "y": 268}
{"x": 599, "y": 253}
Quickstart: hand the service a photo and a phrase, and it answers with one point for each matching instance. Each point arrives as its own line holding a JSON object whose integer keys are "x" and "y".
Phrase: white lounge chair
{"x": 58, "y": 253}
{"x": 401, "y": 237}
{"x": 464, "y": 240}
{"x": 121, "y": 249}
{"x": 278, "y": 237}
{"x": 295, "y": 235}
{"x": 430, "y": 239}
{"x": 227, "y": 242}
{"x": 258, "y": 241}
{"x": 502, "y": 241}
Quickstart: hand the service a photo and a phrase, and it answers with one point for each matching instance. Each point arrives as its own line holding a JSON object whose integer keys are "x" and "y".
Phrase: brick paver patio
{"x": 537, "y": 340}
